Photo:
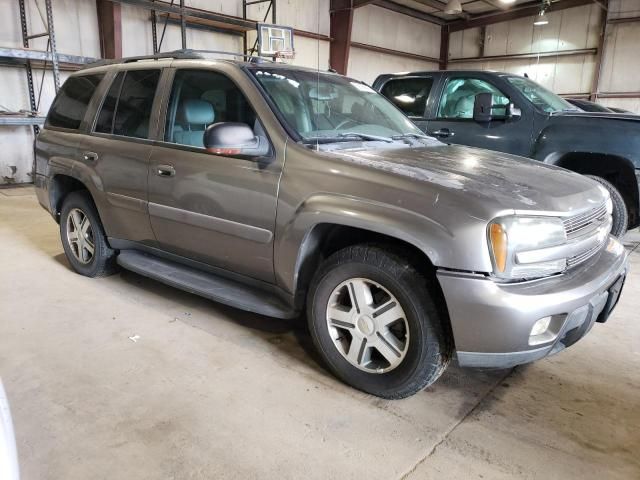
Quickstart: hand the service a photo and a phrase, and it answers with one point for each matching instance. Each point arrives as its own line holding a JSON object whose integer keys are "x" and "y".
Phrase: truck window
{"x": 126, "y": 109}
{"x": 108, "y": 109}
{"x": 134, "y": 104}
{"x": 71, "y": 103}
{"x": 200, "y": 98}
{"x": 409, "y": 94}
{"x": 459, "y": 96}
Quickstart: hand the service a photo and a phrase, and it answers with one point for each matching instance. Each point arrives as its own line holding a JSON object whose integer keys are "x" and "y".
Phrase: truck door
{"x": 217, "y": 209}
{"x": 452, "y": 118}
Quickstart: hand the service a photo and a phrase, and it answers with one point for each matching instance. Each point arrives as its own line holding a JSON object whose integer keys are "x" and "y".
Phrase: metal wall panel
{"x": 383, "y": 28}
{"x": 621, "y": 65}
{"x": 366, "y": 65}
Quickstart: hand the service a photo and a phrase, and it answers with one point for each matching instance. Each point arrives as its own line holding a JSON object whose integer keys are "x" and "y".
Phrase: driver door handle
{"x": 90, "y": 156}
{"x": 165, "y": 171}
{"x": 443, "y": 133}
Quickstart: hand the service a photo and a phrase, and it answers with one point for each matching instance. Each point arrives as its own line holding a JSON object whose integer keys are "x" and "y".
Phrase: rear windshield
{"x": 71, "y": 104}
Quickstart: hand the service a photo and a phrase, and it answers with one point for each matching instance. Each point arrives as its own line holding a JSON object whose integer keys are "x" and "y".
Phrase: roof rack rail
{"x": 176, "y": 54}
{"x": 184, "y": 54}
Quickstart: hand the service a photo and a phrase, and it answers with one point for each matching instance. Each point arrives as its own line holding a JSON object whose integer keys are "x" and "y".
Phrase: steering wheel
{"x": 346, "y": 122}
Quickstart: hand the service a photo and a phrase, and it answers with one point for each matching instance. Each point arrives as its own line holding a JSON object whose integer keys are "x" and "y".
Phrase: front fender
{"x": 294, "y": 242}
{"x": 568, "y": 134}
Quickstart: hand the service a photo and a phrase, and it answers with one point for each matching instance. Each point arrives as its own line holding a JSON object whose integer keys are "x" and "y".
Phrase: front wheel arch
{"x": 618, "y": 171}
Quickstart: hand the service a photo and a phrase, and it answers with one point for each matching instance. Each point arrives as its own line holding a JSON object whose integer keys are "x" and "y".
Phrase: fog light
{"x": 540, "y": 326}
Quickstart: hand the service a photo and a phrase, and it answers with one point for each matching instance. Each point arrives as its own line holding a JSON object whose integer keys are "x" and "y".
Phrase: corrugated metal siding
{"x": 383, "y": 28}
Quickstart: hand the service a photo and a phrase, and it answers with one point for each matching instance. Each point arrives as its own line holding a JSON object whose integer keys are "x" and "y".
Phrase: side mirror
{"x": 482, "y": 107}
{"x": 231, "y": 138}
{"x": 513, "y": 112}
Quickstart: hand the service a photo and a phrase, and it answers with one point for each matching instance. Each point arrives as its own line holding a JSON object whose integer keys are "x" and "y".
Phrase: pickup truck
{"x": 513, "y": 114}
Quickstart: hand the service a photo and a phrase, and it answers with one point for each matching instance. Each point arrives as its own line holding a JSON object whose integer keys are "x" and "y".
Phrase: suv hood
{"x": 607, "y": 115}
{"x": 506, "y": 181}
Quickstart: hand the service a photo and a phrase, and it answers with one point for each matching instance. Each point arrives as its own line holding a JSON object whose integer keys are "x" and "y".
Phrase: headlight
{"x": 521, "y": 247}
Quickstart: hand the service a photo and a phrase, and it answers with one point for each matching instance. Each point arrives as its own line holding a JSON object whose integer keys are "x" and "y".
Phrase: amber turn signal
{"x": 498, "y": 237}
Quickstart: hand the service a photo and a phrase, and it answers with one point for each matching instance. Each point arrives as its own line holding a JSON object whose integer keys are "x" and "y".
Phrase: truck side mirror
{"x": 234, "y": 139}
{"x": 513, "y": 112}
{"x": 482, "y": 107}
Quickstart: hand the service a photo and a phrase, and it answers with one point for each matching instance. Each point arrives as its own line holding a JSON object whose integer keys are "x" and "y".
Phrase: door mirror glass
{"x": 482, "y": 107}
{"x": 234, "y": 138}
{"x": 513, "y": 112}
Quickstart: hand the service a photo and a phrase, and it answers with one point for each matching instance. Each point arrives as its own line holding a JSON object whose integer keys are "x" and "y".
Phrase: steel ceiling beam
{"x": 527, "y": 10}
{"x": 411, "y": 12}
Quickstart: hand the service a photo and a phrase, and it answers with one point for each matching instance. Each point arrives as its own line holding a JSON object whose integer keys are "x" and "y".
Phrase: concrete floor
{"x": 207, "y": 392}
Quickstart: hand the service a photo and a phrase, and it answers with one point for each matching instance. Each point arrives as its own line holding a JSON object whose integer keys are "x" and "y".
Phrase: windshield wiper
{"x": 348, "y": 136}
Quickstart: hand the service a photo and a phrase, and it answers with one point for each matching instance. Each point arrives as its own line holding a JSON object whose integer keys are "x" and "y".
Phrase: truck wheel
{"x": 83, "y": 238}
{"x": 375, "y": 324}
{"x": 620, "y": 212}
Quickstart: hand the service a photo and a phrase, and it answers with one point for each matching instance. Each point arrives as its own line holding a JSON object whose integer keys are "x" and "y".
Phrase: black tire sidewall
{"x": 419, "y": 367}
{"x": 102, "y": 252}
{"x": 620, "y": 212}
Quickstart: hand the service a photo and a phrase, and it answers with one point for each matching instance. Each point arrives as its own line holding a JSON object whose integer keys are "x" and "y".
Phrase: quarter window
{"x": 70, "y": 105}
{"x": 200, "y": 98}
{"x": 409, "y": 94}
{"x": 459, "y": 96}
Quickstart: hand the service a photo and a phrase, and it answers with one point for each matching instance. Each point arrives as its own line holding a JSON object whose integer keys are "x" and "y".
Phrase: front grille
{"x": 583, "y": 226}
{"x": 586, "y": 222}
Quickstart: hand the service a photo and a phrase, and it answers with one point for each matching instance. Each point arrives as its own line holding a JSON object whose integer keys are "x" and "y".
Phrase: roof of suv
{"x": 166, "y": 58}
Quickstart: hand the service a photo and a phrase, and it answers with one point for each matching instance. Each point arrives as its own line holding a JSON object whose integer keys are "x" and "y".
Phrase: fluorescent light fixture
{"x": 541, "y": 20}
{"x": 453, "y": 7}
{"x": 507, "y": 2}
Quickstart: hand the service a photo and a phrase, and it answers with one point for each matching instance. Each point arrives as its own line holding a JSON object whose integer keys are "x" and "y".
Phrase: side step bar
{"x": 208, "y": 285}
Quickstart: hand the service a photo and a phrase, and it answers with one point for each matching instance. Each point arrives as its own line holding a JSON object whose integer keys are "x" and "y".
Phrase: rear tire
{"x": 378, "y": 348}
{"x": 83, "y": 237}
{"x": 620, "y": 212}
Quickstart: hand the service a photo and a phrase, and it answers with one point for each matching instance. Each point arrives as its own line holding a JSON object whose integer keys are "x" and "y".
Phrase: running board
{"x": 208, "y": 285}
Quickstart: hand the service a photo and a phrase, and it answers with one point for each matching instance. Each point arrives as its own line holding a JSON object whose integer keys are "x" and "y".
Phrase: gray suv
{"x": 276, "y": 189}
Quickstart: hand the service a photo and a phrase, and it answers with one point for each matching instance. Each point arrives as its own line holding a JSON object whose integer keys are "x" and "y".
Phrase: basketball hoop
{"x": 275, "y": 41}
{"x": 284, "y": 55}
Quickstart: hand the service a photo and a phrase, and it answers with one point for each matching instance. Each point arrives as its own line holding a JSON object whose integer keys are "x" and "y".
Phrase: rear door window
{"x": 134, "y": 105}
{"x": 126, "y": 110}
{"x": 409, "y": 94}
{"x": 70, "y": 105}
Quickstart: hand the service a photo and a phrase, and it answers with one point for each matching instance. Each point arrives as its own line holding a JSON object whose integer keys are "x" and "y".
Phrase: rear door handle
{"x": 165, "y": 171}
{"x": 443, "y": 133}
{"x": 90, "y": 156}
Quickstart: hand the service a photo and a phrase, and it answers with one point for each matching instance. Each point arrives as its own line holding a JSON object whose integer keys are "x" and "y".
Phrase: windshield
{"x": 540, "y": 96}
{"x": 327, "y": 107}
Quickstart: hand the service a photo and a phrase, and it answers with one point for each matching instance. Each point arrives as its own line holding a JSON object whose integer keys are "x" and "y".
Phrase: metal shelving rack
{"x": 27, "y": 57}
{"x": 51, "y": 48}
{"x": 184, "y": 12}
{"x": 271, "y": 8}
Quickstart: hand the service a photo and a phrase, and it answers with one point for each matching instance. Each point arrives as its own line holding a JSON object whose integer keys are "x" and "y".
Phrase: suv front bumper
{"x": 492, "y": 322}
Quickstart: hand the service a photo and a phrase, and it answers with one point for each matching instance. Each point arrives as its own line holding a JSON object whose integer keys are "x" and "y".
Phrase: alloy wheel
{"x": 80, "y": 236}
{"x": 368, "y": 325}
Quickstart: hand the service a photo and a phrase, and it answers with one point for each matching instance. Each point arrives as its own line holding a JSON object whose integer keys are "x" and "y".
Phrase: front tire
{"x": 374, "y": 321}
{"x": 83, "y": 237}
{"x": 620, "y": 213}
